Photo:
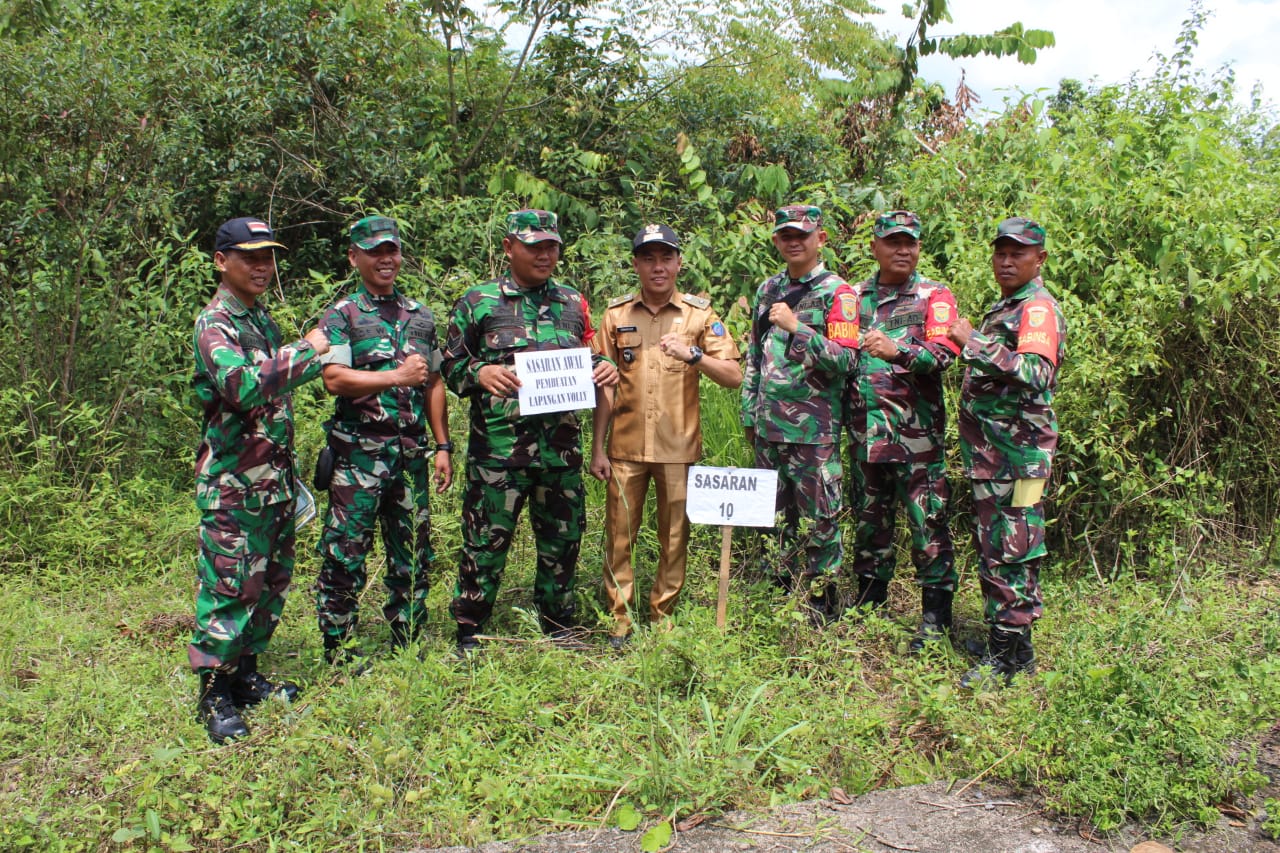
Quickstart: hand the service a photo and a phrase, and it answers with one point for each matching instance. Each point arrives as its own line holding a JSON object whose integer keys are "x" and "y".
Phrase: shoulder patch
{"x": 848, "y": 304}
{"x": 1038, "y": 331}
{"x": 697, "y": 301}
{"x": 1037, "y": 314}
{"x": 621, "y": 300}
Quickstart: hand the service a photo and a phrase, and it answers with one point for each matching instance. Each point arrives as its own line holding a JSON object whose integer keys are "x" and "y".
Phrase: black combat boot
{"x": 564, "y": 631}
{"x": 1008, "y": 653}
{"x": 1024, "y": 656}
{"x": 334, "y": 654}
{"x": 216, "y": 709}
{"x": 468, "y": 643}
{"x": 249, "y": 687}
{"x": 338, "y": 653}
{"x": 935, "y": 617}
{"x": 872, "y": 591}
{"x": 823, "y": 602}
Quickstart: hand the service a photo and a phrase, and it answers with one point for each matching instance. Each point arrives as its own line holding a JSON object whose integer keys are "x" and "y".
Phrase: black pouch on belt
{"x": 324, "y": 468}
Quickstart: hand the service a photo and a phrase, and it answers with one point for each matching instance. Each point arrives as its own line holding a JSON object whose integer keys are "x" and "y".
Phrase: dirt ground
{"x": 935, "y": 818}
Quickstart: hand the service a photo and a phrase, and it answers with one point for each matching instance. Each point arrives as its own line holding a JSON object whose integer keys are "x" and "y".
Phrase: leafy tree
{"x": 1160, "y": 214}
{"x": 122, "y": 154}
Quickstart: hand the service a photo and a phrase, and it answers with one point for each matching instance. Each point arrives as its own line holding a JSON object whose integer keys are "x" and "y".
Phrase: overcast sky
{"x": 1106, "y": 41}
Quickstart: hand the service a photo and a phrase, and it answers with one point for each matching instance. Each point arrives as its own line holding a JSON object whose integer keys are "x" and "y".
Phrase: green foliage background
{"x": 133, "y": 128}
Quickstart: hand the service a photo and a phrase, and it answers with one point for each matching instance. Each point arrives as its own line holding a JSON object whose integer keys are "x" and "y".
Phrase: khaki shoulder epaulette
{"x": 698, "y": 301}
{"x": 621, "y": 300}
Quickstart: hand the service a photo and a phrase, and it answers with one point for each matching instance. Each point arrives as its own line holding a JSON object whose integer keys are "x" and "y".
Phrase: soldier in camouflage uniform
{"x": 802, "y": 346}
{"x": 1008, "y": 435}
{"x": 384, "y": 367}
{"x": 896, "y": 420}
{"x": 511, "y": 458}
{"x": 245, "y": 477}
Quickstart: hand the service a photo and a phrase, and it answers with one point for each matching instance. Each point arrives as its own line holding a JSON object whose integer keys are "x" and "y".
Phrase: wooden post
{"x": 722, "y": 602}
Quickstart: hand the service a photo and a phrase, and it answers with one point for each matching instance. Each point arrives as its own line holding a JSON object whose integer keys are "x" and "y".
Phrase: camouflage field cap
{"x": 1028, "y": 232}
{"x": 654, "y": 233}
{"x": 245, "y": 234}
{"x": 805, "y": 217}
{"x": 373, "y": 231}
{"x": 533, "y": 226}
{"x": 897, "y": 222}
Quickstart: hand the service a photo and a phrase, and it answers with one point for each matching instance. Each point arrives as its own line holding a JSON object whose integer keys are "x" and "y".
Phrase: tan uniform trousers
{"x": 624, "y": 513}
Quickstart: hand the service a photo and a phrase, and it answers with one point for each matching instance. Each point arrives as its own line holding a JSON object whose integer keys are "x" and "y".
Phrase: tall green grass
{"x": 1149, "y": 700}
{"x": 1151, "y": 695}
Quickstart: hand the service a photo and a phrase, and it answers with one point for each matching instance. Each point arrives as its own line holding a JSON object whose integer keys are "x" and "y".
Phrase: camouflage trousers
{"x": 1010, "y": 545}
{"x": 490, "y": 507}
{"x": 243, "y": 572}
{"x": 383, "y": 480}
{"x": 875, "y": 490}
{"x": 810, "y": 501}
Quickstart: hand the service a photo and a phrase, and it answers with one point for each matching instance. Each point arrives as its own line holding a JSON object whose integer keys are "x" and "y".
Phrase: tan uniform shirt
{"x": 655, "y": 412}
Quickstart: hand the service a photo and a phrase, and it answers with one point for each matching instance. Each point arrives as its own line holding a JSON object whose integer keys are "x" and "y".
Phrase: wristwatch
{"x": 444, "y": 447}
{"x": 695, "y": 355}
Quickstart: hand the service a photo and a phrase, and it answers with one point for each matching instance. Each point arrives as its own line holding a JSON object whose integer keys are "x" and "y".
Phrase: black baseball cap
{"x": 245, "y": 234}
{"x": 655, "y": 233}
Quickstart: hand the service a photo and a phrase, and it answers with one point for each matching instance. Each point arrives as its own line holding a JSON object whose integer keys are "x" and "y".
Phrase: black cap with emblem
{"x": 655, "y": 234}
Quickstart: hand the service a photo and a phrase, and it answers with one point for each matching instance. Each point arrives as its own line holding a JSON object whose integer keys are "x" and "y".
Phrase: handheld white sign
{"x": 737, "y": 497}
{"x": 555, "y": 381}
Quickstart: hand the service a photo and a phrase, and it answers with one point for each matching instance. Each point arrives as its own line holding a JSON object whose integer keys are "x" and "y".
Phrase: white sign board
{"x": 737, "y": 497}
{"x": 555, "y": 381}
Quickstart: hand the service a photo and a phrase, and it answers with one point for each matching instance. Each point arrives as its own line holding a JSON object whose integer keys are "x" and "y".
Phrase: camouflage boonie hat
{"x": 897, "y": 222}
{"x": 1028, "y": 232}
{"x": 533, "y": 226}
{"x": 373, "y": 231}
{"x": 805, "y": 217}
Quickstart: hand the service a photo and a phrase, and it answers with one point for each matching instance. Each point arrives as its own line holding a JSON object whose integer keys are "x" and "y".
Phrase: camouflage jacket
{"x": 895, "y": 407}
{"x": 793, "y": 385}
{"x": 490, "y": 323}
{"x": 359, "y": 337}
{"x": 1008, "y": 430}
{"x": 242, "y": 381}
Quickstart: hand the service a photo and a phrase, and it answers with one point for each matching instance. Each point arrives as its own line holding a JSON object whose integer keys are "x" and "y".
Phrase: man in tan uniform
{"x": 662, "y": 341}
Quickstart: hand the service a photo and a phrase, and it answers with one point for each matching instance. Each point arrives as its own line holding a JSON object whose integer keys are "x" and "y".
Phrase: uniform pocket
{"x": 372, "y": 352}
{"x": 506, "y": 338}
{"x": 422, "y": 330}
{"x": 673, "y": 364}
{"x": 627, "y": 345}
{"x": 1021, "y": 534}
